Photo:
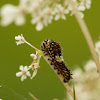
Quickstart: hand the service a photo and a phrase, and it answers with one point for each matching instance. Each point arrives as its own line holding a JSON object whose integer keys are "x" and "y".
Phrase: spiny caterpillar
{"x": 53, "y": 50}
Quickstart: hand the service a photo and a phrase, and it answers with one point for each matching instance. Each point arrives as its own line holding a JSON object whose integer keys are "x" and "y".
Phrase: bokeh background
{"x": 46, "y": 84}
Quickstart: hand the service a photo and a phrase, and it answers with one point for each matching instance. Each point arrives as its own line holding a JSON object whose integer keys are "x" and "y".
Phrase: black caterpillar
{"x": 53, "y": 50}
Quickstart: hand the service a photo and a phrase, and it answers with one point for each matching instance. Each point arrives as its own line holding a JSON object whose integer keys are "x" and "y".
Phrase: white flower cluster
{"x": 41, "y": 11}
{"x": 87, "y": 82}
{"x": 20, "y": 39}
{"x": 97, "y": 48}
{"x": 25, "y": 70}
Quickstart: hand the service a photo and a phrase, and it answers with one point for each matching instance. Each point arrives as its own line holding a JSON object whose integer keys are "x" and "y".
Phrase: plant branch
{"x": 60, "y": 77}
{"x": 86, "y": 34}
{"x": 32, "y": 46}
{"x": 33, "y": 96}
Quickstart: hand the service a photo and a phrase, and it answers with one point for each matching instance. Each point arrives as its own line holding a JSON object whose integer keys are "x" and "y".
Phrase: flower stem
{"x": 86, "y": 34}
{"x": 31, "y": 46}
{"x": 34, "y": 98}
{"x": 60, "y": 77}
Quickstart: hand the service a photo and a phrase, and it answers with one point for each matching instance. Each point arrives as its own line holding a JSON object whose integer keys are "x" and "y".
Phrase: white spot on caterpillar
{"x": 59, "y": 59}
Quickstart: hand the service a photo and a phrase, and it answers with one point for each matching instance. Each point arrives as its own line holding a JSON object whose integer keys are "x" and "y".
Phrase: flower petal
{"x": 19, "y": 74}
{"x": 35, "y": 65}
{"x": 66, "y": 11}
{"x": 81, "y": 7}
{"x": 39, "y": 26}
{"x": 63, "y": 17}
{"x": 28, "y": 73}
{"x": 20, "y": 19}
{"x": 21, "y": 68}
{"x": 33, "y": 56}
{"x": 25, "y": 68}
{"x": 23, "y": 77}
{"x": 34, "y": 73}
{"x": 90, "y": 66}
{"x": 81, "y": 14}
{"x": 18, "y": 37}
{"x": 57, "y": 17}
{"x": 30, "y": 66}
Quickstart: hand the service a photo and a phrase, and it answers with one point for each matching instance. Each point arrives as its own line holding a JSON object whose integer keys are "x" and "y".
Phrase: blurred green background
{"x": 46, "y": 84}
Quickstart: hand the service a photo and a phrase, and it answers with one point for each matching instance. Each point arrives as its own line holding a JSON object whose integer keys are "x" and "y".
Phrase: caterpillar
{"x": 53, "y": 50}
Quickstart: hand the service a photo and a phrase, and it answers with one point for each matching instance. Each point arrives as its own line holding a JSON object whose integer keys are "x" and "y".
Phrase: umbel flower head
{"x": 41, "y": 11}
{"x": 20, "y": 39}
{"x": 87, "y": 82}
{"x": 25, "y": 71}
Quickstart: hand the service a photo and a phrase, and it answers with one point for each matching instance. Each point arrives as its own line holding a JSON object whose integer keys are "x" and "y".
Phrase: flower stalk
{"x": 61, "y": 79}
{"x": 86, "y": 34}
{"x": 31, "y": 45}
{"x": 34, "y": 98}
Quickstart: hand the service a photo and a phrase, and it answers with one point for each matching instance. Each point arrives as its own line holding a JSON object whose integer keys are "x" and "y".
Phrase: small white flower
{"x": 97, "y": 47}
{"x": 81, "y": 6}
{"x": 20, "y": 39}
{"x": 39, "y": 26}
{"x": 42, "y": 18}
{"x": 24, "y": 4}
{"x": 90, "y": 66}
{"x": 24, "y": 73}
{"x": 81, "y": 14}
{"x": 35, "y": 5}
{"x": 33, "y": 56}
{"x": 86, "y": 3}
{"x": 84, "y": 96}
{"x": 76, "y": 73}
{"x": 35, "y": 67}
{"x": 60, "y": 12}
{"x": 10, "y": 13}
{"x": 34, "y": 73}
{"x": 79, "y": 9}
